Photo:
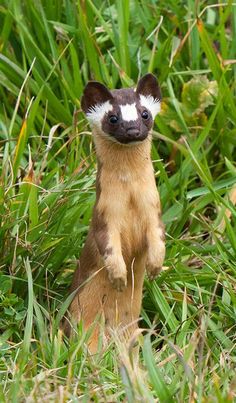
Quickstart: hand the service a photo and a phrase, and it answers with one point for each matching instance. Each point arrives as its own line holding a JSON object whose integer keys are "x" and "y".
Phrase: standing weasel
{"x": 126, "y": 234}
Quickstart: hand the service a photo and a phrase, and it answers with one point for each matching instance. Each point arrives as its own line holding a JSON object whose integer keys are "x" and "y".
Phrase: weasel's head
{"x": 125, "y": 116}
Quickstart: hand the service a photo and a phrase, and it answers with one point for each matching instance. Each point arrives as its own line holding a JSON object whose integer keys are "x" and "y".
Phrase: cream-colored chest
{"x": 128, "y": 197}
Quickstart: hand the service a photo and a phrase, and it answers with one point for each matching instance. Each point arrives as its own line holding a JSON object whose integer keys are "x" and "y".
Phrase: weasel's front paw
{"x": 117, "y": 273}
{"x": 155, "y": 261}
{"x": 153, "y": 271}
{"x": 119, "y": 283}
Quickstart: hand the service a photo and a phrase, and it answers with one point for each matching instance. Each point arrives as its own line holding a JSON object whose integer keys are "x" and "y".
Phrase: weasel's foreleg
{"x": 156, "y": 248}
{"x": 109, "y": 245}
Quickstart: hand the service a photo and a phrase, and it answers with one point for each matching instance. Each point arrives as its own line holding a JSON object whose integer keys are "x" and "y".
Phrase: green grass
{"x": 48, "y": 51}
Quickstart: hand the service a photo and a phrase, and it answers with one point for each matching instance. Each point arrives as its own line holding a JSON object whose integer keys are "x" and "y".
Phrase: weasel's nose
{"x": 132, "y": 132}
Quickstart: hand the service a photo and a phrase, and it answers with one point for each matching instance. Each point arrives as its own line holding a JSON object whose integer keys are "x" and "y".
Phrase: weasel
{"x": 126, "y": 235}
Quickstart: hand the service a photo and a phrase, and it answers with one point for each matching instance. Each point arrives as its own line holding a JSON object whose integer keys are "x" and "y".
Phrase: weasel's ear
{"x": 95, "y": 93}
{"x": 149, "y": 93}
{"x": 148, "y": 86}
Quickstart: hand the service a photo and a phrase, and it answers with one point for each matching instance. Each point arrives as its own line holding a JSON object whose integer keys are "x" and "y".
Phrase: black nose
{"x": 132, "y": 132}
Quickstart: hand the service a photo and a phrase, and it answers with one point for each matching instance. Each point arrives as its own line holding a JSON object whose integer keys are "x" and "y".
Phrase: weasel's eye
{"x": 113, "y": 119}
{"x": 145, "y": 115}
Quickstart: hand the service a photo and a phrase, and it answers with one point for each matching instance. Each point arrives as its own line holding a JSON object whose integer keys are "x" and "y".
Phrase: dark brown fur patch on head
{"x": 120, "y": 113}
{"x": 124, "y": 96}
{"x": 126, "y": 131}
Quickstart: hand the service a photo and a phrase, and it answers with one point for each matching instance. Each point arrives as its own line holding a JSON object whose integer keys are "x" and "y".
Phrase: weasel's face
{"x": 126, "y": 115}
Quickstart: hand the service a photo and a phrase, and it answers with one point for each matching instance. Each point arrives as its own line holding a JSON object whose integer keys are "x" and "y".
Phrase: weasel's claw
{"x": 153, "y": 272}
{"x": 119, "y": 283}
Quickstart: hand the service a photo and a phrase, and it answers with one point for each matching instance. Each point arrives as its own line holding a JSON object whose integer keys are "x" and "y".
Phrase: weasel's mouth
{"x": 130, "y": 140}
